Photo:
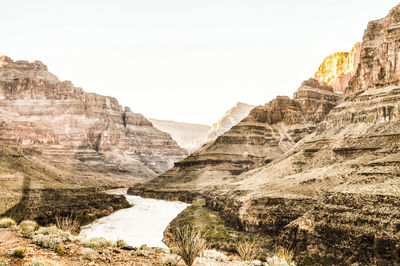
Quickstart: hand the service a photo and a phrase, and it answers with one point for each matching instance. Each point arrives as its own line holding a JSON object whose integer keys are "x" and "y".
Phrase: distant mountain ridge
{"x": 231, "y": 118}
{"x": 188, "y": 136}
{"x": 193, "y": 136}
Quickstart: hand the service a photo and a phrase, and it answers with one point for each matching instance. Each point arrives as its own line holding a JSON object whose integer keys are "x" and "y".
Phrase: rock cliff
{"x": 87, "y": 131}
{"x": 265, "y": 134}
{"x": 337, "y": 69}
{"x": 325, "y": 180}
{"x": 379, "y": 60}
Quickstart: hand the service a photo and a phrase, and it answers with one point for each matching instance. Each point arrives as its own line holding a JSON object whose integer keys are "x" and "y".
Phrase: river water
{"x": 144, "y": 223}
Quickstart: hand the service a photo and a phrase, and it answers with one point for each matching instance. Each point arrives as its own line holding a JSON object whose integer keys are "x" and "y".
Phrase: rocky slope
{"x": 337, "y": 69}
{"x": 268, "y": 132}
{"x": 87, "y": 131}
{"x": 329, "y": 187}
{"x": 187, "y": 136}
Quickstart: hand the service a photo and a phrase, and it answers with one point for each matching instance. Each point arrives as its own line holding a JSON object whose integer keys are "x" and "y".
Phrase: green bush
{"x": 19, "y": 252}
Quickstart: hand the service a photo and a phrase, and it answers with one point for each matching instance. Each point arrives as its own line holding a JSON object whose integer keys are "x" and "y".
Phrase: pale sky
{"x": 184, "y": 60}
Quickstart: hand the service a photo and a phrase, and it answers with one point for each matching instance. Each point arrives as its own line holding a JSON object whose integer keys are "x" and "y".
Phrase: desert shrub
{"x": 215, "y": 255}
{"x": 60, "y": 250}
{"x": 29, "y": 223}
{"x": 19, "y": 252}
{"x": 54, "y": 231}
{"x": 283, "y": 257}
{"x": 121, "y": 243}
{"x": 27, "y": 231}
{"x": 97, "y": 242}
{"x": 7, "y": 222}
{"x": 89, "y": 254}
{"x": 188, "y": 244}
{"x": 246, "y": 250}
{"x": 68, "y": 224}
{"x": 48, "y": 241}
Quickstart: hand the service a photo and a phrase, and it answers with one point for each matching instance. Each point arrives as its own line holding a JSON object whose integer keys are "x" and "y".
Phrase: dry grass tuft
{"x": 246, "y": 250}
{"x": 68, "y": 224}
{"x": 285, "y": 254}
{"x": 188, "y": 244}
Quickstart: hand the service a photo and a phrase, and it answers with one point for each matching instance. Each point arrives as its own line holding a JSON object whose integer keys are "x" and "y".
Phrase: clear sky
{"x": 184, "y": 60}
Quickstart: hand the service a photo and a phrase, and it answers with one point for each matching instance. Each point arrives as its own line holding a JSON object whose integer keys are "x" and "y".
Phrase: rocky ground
{"x": 79, "y": 254}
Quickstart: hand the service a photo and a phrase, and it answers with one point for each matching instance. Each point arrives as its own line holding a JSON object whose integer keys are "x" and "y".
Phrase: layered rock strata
{"x": 268, "y": 132}
{"x": 334, "y": 194}
{"x": 86, "y": 131}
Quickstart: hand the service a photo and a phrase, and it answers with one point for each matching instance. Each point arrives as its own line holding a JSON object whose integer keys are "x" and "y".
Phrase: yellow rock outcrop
{"x": 337, "y": 69}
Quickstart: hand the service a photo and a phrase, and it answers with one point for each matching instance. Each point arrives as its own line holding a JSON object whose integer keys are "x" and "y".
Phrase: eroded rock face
{"x": 87, "y": 131}
{"x": 266, "y": 133}
{"x": 337, "y": 69}
{"x": 333, "y": 194}
{"x": 379, "y": 60}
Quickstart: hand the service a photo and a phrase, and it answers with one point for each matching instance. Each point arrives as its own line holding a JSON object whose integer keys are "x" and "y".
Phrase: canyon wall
{"x": 86, "y": 131}
{"x": 265, "y": 134}
{"x": 337, "y": 69}
{"x": 317, "y": 173}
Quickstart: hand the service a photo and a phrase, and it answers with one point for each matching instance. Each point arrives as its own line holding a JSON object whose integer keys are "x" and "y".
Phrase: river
{"x": 144, "y": 223}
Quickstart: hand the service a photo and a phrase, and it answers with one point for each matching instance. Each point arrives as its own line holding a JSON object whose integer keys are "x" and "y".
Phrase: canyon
{"x": 187, "y": 136}
{"x": 317, "y": 173}
{"x": 56, "y": 136}
{"x": 193, "y": 136}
